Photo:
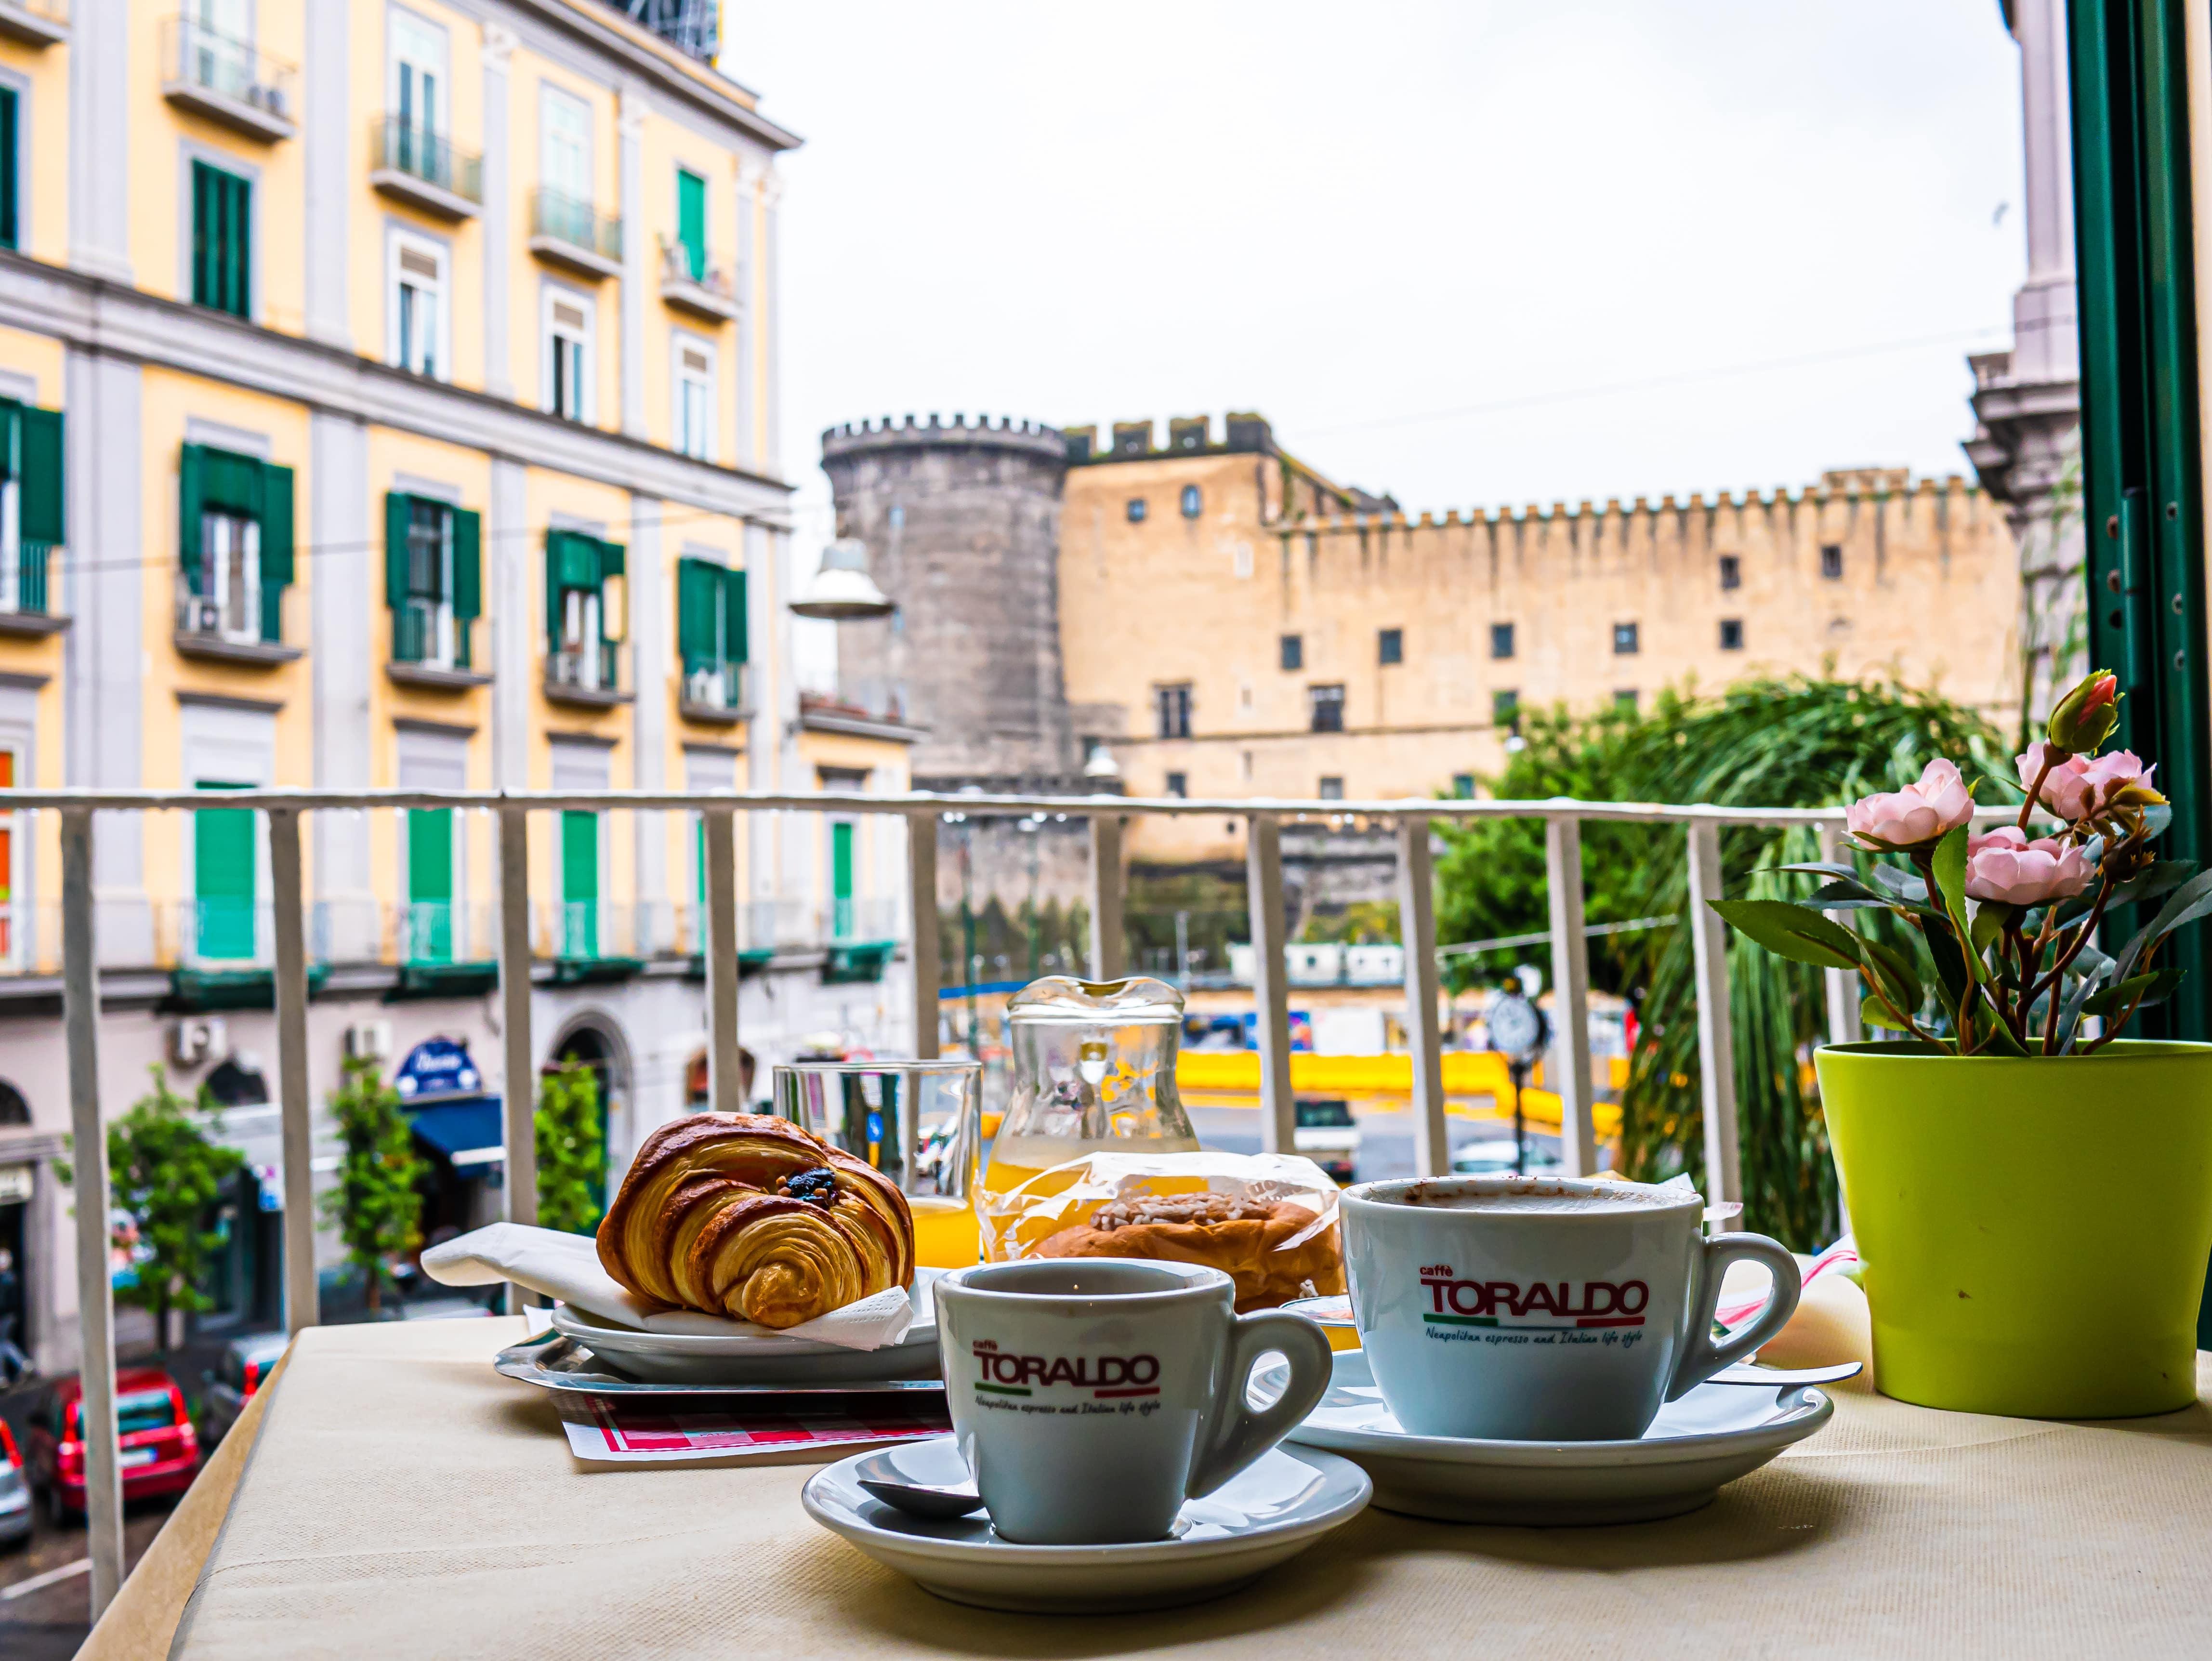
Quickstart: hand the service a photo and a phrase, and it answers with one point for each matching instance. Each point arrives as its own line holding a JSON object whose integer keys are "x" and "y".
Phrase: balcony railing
{"x": 714, "y": 691}
{"x": 585, "y": 674}
{"x": 427, "y": 168}
{"x": 564, "y": 228}
{"x": 227, "y": 80}
{"x": 35, "y": 23}
{"x": 430, "y": 635}
{"x": 696, "y": 285}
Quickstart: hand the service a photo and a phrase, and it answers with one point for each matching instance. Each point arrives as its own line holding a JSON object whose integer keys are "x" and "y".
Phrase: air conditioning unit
{"x": 205, "y": 617}
{"x": 702, "y": 686}
{"x": 197, "y": 1040}
{"x": 568, "y": 668}
{"x": 368, "y": 1041}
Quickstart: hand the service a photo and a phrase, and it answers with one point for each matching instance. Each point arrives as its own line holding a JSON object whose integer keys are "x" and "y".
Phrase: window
{"x": 10, "y": 168}
{"x": 1136, "y": 510}
{"x": 1505, "y": 710}
{"x": 31, "y": 503}
{"x": 567, "y": 355}
{"x": 691, "y": 222}
{"x": 565, "y": 138}
{"x": 1332, "y": 787}
{"x": 223, "y": 896}
{"x": 418, "y": 98}
{"x": 223, "y": 240}
{"x": 584, "y": 610}
{"x": 1731, "y": 634}
{"x": 1293, "y": 652}
{"x": 1463, "y": 786}
{"x": 416, "y": 273}
{"x": 694, "y": 398}
{"x": 1624, "y": 639}
{"x": 1172, "y": 706}
{"x": 430, "y": 885}
{"x": 580, "y": 885}
{"x": 1625, "y": 701}
{"x": 1193, "y": 501}
{"x": 711, "y": 633}
{"x": 841, "y": 879}
{"x": 433, "y": 579}
{"x": 1501, "y": 639}
{"x": 1390, "y": 646}
{"x": 1328, "y": 706}
{"x": 1832, "y": 561}
{"x": 1178, "y": 784}
{"x": 234, "y": 544}
{"x": 1731, "y": 571}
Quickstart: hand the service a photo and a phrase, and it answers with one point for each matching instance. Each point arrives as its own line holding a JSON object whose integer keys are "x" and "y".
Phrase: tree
{"x": 378, "y": 1203}
{"x": 165, "y": 1173}
{"x": 572, "y": 1158}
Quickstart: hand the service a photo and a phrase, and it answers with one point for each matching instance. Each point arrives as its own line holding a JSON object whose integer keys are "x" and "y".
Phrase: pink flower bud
{"x": 2005, "y": 865}
{"x": 1921, "y": 814}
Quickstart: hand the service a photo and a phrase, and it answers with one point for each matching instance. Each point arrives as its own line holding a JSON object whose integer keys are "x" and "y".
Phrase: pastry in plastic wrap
{"x": 745, "y": 1215}
{"x": 1270, "y": 1248}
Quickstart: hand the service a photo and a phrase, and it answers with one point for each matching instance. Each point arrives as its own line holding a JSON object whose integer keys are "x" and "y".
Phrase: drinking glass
{"x": 919, "y": 1123}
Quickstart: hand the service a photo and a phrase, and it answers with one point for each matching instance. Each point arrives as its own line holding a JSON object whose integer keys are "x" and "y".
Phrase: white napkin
{"x": 567, "y": 1267}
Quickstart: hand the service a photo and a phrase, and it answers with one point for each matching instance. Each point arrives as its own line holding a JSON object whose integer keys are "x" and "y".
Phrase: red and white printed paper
{"x": 784, "y": 1430}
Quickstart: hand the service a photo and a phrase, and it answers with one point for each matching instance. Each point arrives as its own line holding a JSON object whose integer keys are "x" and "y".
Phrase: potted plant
{"x": 2030, "y": 1191}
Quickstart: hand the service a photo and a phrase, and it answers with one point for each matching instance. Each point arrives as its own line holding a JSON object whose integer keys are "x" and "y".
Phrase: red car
{"x": 161, "y": 1452}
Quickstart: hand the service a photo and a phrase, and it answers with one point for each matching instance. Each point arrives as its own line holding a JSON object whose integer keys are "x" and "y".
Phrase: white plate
{"x": 1714, "y": 1435}
{"x": 1272, "y": 1510}
{"x": 752, "y": 1356}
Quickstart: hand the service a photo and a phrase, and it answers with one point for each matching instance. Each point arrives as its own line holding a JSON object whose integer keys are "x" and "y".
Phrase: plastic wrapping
{"x": 1017, "y": 1220}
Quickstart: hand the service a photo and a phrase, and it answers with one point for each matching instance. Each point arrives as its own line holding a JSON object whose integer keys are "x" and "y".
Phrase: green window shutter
{"x": 192, "y": 503}
{"x": 276, "y": 548}
{"x": 222, "y": 877}
{"x": 10, "y": 158}
{"x": 580, "y": 885}
{"x": 699, "y": 861}
{"x": 611, "y": 558}
{"x": 11, "y": 439}
{"x": 40, "y": 505}
{"x": 397, "y": 510}
{"x": 696, "y": 598}
{"x": 468, "y": 564}
{"x": 841, "y": 861}
{"x": 430, "y": 854}
{"x": 691, "y": 220}
{"x": 560, "y": 561}
{"x": 222, "y": 239}
{"x": 734, "y": 636}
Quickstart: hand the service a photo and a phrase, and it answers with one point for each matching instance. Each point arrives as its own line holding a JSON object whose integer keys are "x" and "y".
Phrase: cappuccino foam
{"x": 1537, "y": 1199}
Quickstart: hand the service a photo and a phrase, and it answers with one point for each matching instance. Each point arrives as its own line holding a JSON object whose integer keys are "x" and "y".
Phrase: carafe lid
{"x": 1063, "y": 998}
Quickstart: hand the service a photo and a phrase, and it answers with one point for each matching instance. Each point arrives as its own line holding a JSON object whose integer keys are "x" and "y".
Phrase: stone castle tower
{"x": 962, "y": 522}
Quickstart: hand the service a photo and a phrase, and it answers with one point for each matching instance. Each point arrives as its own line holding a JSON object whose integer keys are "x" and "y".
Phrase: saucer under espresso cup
{"x": 1538, "y": 1308}
{"x": 1091, "y": 1397}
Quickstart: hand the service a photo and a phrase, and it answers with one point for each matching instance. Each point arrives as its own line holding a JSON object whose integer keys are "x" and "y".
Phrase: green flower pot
{"x": 2034, "y": 1231}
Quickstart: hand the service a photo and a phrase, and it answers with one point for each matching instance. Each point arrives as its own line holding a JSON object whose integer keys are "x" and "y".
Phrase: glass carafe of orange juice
{"x": 1093, "y": 1071}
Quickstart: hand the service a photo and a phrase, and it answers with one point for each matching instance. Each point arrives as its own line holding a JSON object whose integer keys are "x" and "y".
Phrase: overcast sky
{"x": 1485, "y": 253}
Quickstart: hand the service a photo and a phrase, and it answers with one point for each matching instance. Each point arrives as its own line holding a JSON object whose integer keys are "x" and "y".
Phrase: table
{"x": 400, "y": 1499}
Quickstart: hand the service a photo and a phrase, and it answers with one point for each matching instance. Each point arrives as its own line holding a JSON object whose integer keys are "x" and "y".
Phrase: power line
{"x": 1686, "y": 378}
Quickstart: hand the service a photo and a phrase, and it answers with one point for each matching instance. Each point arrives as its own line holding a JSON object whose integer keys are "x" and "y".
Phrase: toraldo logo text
{"x": 1106, "y": 1377}
{"x": 1537, "y": 1306}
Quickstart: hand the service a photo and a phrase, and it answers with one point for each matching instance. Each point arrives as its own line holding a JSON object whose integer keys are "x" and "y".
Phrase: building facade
{"x": 390, "y": 396}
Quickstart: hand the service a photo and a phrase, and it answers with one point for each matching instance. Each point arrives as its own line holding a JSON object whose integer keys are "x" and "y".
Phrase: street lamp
{"x": 842, "y": 591}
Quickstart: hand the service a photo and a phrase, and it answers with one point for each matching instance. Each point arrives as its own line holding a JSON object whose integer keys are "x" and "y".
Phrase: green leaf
{"x": 1991, "y": 917}
{"x": 1818, "y": 868}
{"x": 1843, "y": 896}
{"x": 1902, "y": 883}
{"x": 1793, "y": 931}
{"x": 1999, "y": 1035}
{"x": 1949, "y": 864}
{"x": 1950, "y": 967}
{"x": 2135, "y": 991}
{"x": 1894, "y": 970}
{"x": 2187, "y": 902}
{"x": 1874, "y": 1014}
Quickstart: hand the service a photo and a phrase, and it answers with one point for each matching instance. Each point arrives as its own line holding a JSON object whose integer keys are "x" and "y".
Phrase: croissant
{"x": 747, "y": 1215}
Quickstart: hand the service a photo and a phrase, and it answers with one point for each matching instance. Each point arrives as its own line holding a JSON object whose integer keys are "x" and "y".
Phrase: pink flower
{"x": 1915, "y": 816}
{"x": 2085, "y": 786}
{"x": 2005, "y": 866}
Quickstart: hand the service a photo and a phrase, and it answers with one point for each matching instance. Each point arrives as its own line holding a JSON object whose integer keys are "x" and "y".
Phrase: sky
{"x": 1483, "y": 254}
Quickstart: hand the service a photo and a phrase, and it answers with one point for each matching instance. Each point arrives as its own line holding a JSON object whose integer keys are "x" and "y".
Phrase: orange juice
{"x": 944, "y": 1232}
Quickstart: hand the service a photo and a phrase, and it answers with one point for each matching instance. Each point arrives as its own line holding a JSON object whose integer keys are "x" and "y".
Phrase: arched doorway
{"x": 597, "y": 1045}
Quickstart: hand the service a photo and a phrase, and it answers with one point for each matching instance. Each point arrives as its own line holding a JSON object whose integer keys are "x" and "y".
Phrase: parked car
{"x": 231, "y": 1383}
{"x": 160, "y": 1450}
{"x": 1495, "y": 1159}
{"x": 1327, "y": 1134}
{"x": 15, "y": 1492}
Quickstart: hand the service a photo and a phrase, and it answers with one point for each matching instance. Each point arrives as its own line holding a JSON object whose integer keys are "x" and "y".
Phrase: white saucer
{"x": 752, "y": 1355}
{"x": 1272, "y": 1510}
{"x": 1714, "y": 1435}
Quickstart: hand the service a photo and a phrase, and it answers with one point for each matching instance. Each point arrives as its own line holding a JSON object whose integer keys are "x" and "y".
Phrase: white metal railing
{"x": 289, "y": 916}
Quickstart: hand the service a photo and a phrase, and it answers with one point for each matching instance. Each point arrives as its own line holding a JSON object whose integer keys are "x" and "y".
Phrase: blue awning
{"x": 468, "y": 1133}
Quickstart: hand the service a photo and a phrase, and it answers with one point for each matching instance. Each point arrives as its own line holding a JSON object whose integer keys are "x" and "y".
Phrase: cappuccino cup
{"x": 1091, "y": 1396}
{"x": 1524, "y": 1309}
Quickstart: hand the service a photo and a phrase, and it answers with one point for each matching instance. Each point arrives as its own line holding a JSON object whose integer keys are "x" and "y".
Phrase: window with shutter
{"x": 691, "y": 222}
{"x": 223, "y": 878}
{"x": 710, "y": 633}
{"x": 10, "y": 153}
{"x": 222, "y": 240}
{"x": 584, "y": 608}
{"x": 430, "y": 885}
{"x": 30, "y": 503}
{"x": 580, "y": 885}
{"x": 235, "y": 544}
{"x": 841, "y": 879}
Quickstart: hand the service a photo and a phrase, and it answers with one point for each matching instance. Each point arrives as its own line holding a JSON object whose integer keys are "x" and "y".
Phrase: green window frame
{"x": 691, "y": 222}
{"x": 580, "y": 885}
{"x": 10, "y": 168}
{"x": 430, "y": 885}
{"x": 222, "y": 482}
{"x": 711, "y": 622}
{"x": 841, "y": 879}
{"x": 31, "y": 461}
{"x": 223, "y": 240}
{"x": 224, "y": 878}
{"x": 577, "y": 562}
{"x": 433, "y": 557}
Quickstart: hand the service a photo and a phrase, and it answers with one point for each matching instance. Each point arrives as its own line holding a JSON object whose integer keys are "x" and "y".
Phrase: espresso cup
{"x": 1521, "y": 1309}
{"x": 1091, "y": 1396}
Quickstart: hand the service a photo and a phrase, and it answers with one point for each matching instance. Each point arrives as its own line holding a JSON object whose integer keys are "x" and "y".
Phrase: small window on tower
{"x": 1731, "y": 571}
{"x": 1172, "y": 705}
{"x": 1501, "y": 639}
{"x": 1505, "y": 710}
{"x": 1191, "y": 501}
{"x": 1331, "y": 788}
{"x": 1832, "y": 561}
{"x": 1731, "y": 634}
{"x": 1390, "y": 646}
{"x": 1327, "y": 703}
{"x": 1294, "y": 652}
{"x": 1136, "y": 510}
{"x": 1624, "y": 639}
{"x": 1463, "y": 786}
{"x": 1178, "y": 784}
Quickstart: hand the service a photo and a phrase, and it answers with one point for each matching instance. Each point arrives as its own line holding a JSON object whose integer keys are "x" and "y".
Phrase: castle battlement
{"x": 1032, "y": 437}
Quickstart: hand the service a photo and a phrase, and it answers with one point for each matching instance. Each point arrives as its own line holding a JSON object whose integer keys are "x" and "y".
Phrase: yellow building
{"x": 390, "y": 394}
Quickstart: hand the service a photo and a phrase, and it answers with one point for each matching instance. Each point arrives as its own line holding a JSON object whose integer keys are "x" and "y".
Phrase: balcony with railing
{"x": 411, "y": 163}
{"x": 714, "y": 693}
{"x": 227, "y": 80}
{"x": 573, "y": 232}
{"x": 697, "y": 285}
{"x": 35, "y": 23}
{"x": 26, "y": 590}
{"x": 586, "y": 674}
{"x": 242, "y": 622}
{"x": 432, "y": 647}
